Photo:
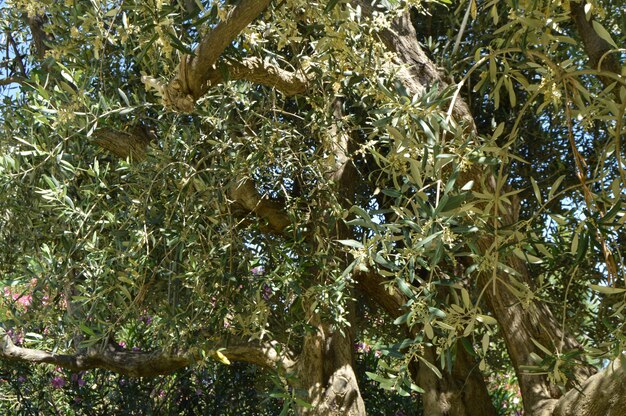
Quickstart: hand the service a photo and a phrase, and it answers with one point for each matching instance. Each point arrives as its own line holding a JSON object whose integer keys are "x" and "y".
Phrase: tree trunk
{"x": 603, "y": 394}
{"x": 461, "y": 391}
{"x": 520, "y": 323}
{"x": 326, "y": 365}
{"x": 326, "y": 375}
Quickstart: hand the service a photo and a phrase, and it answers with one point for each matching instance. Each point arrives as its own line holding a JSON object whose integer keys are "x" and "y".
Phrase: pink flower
{"x": 258, "y": 271}
{"x": 58, "y": 382}
{"x": 267, "y": 292}
{"x": 362, "y": 347}
{"x": 16, "y": 336}
{"x": 24, "y": 300}
{"x": 78, "y": 379}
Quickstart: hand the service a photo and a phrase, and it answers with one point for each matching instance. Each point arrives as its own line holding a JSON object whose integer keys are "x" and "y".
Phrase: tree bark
{"x": 518, "y": 323}
{"x": 326, "y": 374}
{"x": 598, "y": 49}
{"x": 326, "y": 370}
{"x": 462, "y": 390}
{"x": 603, "y": 394}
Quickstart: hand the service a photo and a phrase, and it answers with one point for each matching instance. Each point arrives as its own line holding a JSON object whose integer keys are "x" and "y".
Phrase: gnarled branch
{"x": 126, "y": 145}
{"x": 601, "y": 394}
{"x": 144, "y": 364}
{"x": 191, "y": 82}
{"x": 244, "y": 193}
{"x": 132, "y": 363}
{"x": 260, "y": 72}
{"x": 596, "y": 47}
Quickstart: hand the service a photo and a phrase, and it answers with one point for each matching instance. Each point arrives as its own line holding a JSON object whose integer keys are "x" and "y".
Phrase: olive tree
{"x": 273, "y": 182}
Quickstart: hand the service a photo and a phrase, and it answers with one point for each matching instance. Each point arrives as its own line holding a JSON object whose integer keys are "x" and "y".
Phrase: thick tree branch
{"x": 596, "y": 48}
{"x": 260, "y": 72}
{"x": 372, "y": 285}
{"x": 416, "y": 71}
{"x": 462, "y": 385}
{"x": 244, "y": 194}
{"x": 145, "y": 364}
{"x": 136, "y": 364}
{"x": 126, "y": 145}
{"x": 219, "y": 38}
{"x": 133, "y": 145}
{"x": 40, "y": 37}
{"x": 603, "y": 394}
{"x": 519, "y": 323}
{"x": 268, "y": 354}
{"x": 192, "y": 79}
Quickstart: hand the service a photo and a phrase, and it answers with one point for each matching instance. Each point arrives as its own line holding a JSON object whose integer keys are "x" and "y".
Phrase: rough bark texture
{"x": 245, "y": 195}
{"x": 133, "y": 145}
{"x": 596, "y": 48}
{"x": 267, "y": 354}
{"x": 192, "y": 80}
{"x": 137, "y": 364}
{"x": 462, "y": 390}
{"x": 324, "y": 368}
{"x": 261, "y": 72}
{"x": 218, "y": 39}
{"x": 147, "y": 364}
{"x": 519, "y": 323}
{"x": 325, "y": 372}
{"x": 603, "y": 394}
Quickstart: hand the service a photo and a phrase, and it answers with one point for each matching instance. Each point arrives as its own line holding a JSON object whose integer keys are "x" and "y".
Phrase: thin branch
{"x": 459, "y": 37}
{"x": 16, "y": 51}
{"x": 12, "y": 80}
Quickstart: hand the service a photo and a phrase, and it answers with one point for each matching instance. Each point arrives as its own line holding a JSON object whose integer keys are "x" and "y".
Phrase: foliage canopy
{"x": 351, "y": 195}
